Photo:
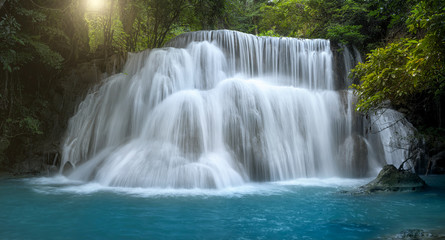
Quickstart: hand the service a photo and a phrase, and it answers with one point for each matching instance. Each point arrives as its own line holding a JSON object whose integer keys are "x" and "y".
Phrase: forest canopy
{"x": 104, "y": 27}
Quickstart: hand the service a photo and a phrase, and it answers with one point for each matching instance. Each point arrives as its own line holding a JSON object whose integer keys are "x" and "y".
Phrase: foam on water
{"x": 326, "y": 182}
{"x": 63, "y": 185}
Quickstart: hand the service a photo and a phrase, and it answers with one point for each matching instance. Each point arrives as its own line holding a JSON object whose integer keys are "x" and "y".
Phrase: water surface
{"x": 56, "y": 208}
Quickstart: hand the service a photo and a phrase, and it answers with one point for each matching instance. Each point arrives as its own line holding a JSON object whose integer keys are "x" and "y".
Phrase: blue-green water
{"x": 46, "y": 208}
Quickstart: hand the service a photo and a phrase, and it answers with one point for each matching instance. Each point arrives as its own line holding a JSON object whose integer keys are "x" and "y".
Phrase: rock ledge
{"x": 390, "y": 179}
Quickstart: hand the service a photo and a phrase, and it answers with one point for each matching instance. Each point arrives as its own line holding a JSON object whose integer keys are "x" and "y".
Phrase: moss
{"x": 391, "y": 179}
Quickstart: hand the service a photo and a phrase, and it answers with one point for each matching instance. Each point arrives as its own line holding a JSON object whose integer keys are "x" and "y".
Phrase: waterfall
{"x": 216, "y": 109}
{"x": 395, "y": 134}
{"x": 350, "y": 60}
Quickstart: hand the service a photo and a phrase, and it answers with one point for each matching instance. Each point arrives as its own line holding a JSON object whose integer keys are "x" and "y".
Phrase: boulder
{"x": 390, "y": 179}
{"x": 415, "y": 234}
{"x": 438, "y": 163}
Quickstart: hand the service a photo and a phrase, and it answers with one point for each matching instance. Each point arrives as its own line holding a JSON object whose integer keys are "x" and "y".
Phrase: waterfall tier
{"x": 218, "y": 109}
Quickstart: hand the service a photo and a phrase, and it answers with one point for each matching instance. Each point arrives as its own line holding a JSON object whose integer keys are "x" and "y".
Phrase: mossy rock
{"x": 390, "y": 179}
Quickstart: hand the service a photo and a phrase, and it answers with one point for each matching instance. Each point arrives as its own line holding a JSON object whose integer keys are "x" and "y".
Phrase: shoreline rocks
{"x": 390, "y": 179}
{"x": 415, "y": 234}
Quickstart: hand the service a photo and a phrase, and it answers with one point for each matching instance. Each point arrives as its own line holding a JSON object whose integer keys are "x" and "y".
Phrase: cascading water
{"x": 218, "y": 109}
{"x": 349, "y": 61}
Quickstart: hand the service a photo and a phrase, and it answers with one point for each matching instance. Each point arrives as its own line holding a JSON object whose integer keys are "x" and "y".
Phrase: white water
{"x": 349, "y": 61}
{"x": 395, "y": 133}
{"x": 62, "y": 185}
{"x": 220, "y": 109}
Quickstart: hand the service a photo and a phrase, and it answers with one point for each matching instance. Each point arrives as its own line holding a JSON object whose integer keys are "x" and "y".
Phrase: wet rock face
{"x": 360, "y": 157}
{"x": 390, "y": 179}
{"x": 438, "y": 163}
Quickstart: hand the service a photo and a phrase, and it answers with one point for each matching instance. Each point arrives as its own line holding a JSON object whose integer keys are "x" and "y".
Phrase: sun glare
{"x": 95, "y": 5}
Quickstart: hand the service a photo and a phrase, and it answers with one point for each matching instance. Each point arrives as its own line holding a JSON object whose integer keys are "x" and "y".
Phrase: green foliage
{"x": 408, "y": 67}
{"x": 361, "y": 23}
{"x": 270, "y": 33}
{"x": 21, "y": 46}
{"x": 308, "y": 19}
{"x": 205, "y": 14}
{"x": 46, "y": 55}
{"x": 136, "y": 25}
{"x": 119, "y": 42}
{"x": 30, "y": 124}
{"x": 8, "y": 36}
{"x": 95, "y": 33}
{"x": 243, "y": 15}
{"x": 286, "y": 18}
{"x": 23, "y": 120}
{"x": 158, "y": 18}
{"x": 386, "y": 76}
{"x": 144, "y": 24}
{"x": 34, "y": 42}
{"x": 106, "y": 30}
{"x": 429, "y": 16}
{"x": 346, "y": 34}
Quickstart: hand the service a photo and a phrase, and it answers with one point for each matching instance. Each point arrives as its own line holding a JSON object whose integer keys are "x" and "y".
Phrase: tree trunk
{"x": 128, "y": 15}
{"x": 108, "y": 32}
{"x": 77, "y": 30}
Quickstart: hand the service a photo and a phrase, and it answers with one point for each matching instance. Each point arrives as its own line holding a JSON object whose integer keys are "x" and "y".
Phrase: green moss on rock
{"x": 390, "y": 179}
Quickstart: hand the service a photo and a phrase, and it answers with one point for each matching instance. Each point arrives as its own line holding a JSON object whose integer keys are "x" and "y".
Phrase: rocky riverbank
{"x": 416, "y": 234}
{"x": 391, "y": 179}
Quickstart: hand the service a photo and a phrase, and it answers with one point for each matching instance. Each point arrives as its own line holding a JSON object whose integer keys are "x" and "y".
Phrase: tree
{"x": 37, "y": 39}
{"x": 243, "y": 15}
{"x": 409, "y": 65}
{"x": 158, "y": 18}
{"x": 106, "y": 31}
{"x": 127, "y": 15}
{"x": 285, "y": 18}
{"x": 307, "y": 19}
{"x": 206, "y": 14}
{"x": 409, "y": 73}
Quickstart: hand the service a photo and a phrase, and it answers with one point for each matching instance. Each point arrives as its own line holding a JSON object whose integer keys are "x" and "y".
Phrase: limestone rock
{"x": 438, "y": 161}
{"x": 390, "y": 179}
{"x": 415, "y": 234}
